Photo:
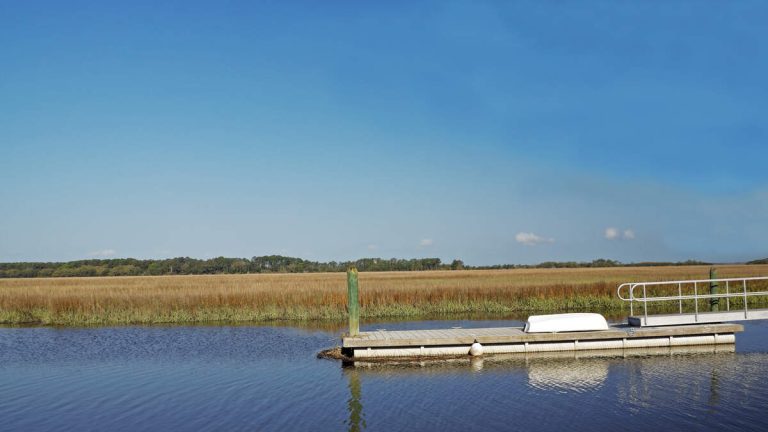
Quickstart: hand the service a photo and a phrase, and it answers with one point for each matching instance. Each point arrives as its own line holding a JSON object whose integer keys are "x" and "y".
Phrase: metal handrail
{"x": 743, "y": 293}
{"x": 699, "y": 296}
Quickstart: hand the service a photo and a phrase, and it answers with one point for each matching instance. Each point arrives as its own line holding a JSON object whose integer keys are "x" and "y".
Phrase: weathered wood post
{"x": 714, "y": 303}
{"x": 353, "y": 300}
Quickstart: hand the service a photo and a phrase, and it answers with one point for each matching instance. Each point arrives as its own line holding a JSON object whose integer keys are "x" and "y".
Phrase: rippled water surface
{"x": 267, "y": 378}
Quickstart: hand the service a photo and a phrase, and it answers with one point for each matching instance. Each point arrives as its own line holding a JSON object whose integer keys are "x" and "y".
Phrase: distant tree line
{"x": 267, "y": 264}
{"x": 220, "y": 265}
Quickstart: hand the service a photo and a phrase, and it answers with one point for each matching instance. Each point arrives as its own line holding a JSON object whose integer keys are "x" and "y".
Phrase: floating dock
{"x": 706, "y": 324}
{"x": 456, "y": 342}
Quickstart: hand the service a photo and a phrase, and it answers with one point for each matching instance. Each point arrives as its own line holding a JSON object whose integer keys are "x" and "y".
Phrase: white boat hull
{"x": 568, "y": 322}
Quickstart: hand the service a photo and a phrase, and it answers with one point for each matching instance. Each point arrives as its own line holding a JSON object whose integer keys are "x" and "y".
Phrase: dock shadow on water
{"x": 268, "y": 378}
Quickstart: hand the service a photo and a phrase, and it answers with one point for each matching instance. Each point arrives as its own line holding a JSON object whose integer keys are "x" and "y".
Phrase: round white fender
{"x": 476, "y": 349}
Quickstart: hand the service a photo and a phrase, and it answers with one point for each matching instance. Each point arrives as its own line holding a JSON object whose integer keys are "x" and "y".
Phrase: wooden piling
{"x": 353, "y": 301}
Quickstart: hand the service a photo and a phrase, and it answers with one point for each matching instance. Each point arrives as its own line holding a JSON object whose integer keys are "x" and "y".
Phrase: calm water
{"x": 267, "y": 378}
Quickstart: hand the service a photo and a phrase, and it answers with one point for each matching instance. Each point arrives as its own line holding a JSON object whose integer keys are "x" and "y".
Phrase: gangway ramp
{"x": 701, "y": 318}
{"x": 695, "y": 300}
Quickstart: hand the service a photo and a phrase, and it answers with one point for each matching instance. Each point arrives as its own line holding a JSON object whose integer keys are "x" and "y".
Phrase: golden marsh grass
{"x": 322, "y": 296}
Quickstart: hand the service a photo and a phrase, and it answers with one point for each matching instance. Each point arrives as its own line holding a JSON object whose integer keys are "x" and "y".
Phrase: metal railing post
{"x": 744, "y": 284}
{"x": 696, "y": 302}
{"x": 714, "y": 302}
{"x": 727, "y": 297}
{"x": 680, "y": 295}
{"x": 645, "y": 303}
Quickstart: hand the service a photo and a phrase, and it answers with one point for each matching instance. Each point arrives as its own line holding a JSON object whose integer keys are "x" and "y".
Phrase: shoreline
{"x": 46, "y": 317}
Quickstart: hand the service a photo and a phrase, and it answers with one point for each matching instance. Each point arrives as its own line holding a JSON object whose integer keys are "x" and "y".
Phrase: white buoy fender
{"x": 476, "y": 349}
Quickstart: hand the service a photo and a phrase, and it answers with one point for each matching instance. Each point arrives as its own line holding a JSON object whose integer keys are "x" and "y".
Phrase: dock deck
{"x": 418, "y": 343}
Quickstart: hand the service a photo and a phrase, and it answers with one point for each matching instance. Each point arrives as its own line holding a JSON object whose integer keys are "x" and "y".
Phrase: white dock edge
{"x": 576, "y": 345}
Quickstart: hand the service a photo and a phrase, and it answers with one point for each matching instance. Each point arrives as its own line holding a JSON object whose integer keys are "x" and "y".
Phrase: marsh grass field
{"x": 322, "y": 296}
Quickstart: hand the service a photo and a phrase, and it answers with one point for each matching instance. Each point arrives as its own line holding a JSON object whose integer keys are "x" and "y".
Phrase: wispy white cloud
{"x": 611, "y": 233}
{"x": 531, "y": 239}
{"x": 372, "y": 247}
{"x": 616, "y": 234}
{"x": 103, "y": 253}
{"x": 426, "y": 242}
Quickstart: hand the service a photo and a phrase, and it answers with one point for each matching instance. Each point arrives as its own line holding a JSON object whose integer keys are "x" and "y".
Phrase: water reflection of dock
{"x": 506, "y": 361}
{"x": 558, "y": 372}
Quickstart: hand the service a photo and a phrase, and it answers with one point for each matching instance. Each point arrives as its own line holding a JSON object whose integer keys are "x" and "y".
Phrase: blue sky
{"x": 494, "y": 132}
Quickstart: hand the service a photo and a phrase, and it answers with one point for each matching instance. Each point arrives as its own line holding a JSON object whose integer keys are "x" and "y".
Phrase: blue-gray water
{"x": 267, "y": 378}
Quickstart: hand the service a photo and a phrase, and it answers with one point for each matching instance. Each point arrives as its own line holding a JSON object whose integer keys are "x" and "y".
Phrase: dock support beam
{"x": 714, "y": 303}
{"x": 353, "y": 300}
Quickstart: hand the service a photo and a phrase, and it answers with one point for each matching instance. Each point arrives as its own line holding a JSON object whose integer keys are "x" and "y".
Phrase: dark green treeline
{"x": 264, "y": 264}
